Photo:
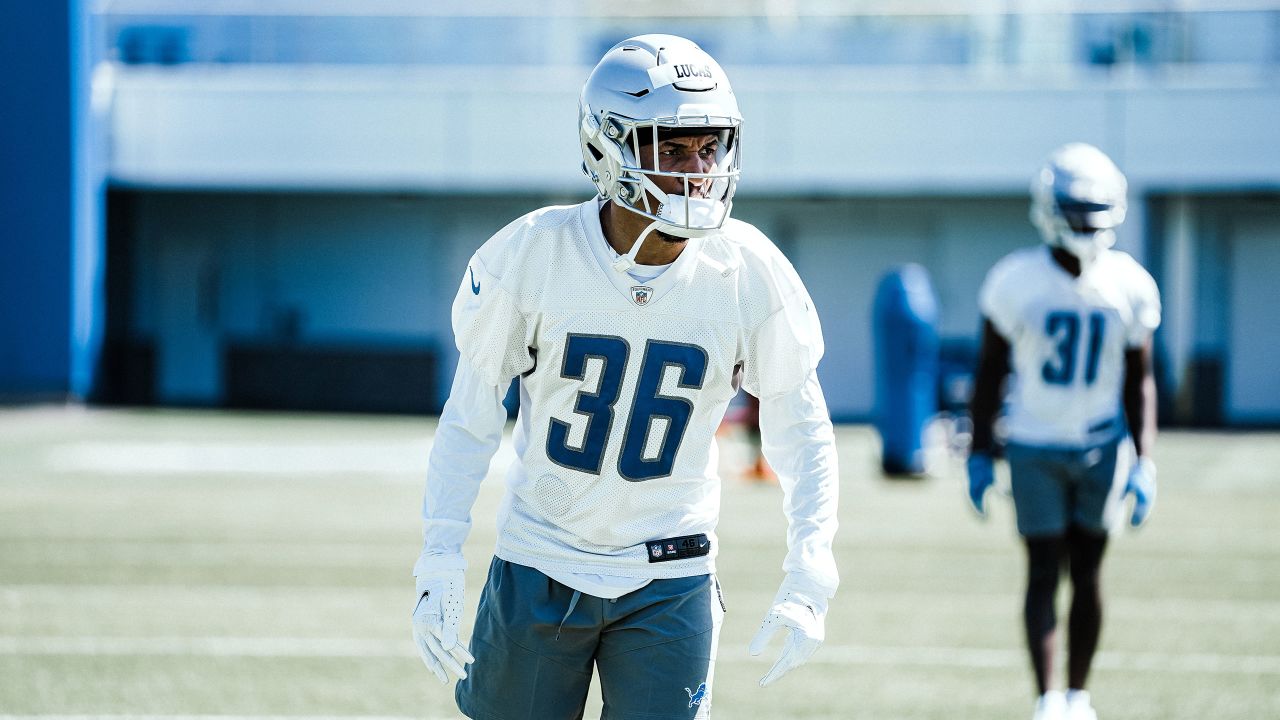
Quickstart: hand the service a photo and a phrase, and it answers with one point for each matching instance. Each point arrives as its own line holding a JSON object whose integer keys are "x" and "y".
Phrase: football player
{"x": 1069, "y": 323}
{"x": 631, "y": 320}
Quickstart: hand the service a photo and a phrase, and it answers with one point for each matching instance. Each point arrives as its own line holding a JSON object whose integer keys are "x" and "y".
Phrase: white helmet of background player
{"x": 645, "y": 86}
{"x": 1077, "y": 200}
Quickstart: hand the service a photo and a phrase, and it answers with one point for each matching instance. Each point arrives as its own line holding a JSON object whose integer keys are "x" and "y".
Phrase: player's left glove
{"x": 1142, "y": 486}
{"x": 801, "y": 608}
{"x": 435, "y": 623}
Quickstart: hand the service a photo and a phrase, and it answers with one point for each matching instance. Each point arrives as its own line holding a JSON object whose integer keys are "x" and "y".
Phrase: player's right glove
{"x": 982, "y": 475}
{"x": 1142, "y": 486}
{"x": 801, "y": 608}
{"x": 435, "y": 623}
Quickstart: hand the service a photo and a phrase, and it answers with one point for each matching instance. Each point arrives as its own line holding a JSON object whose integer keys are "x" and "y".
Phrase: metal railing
{"x": 1014, "y": 36}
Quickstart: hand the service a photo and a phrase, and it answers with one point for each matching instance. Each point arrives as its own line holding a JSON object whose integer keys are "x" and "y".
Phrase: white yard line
{"x": 177, "y": 458}
{"x": 1119, "y": 605}
{"x": 828, "y": 655}
{"x": 208, "y": 647}
{"x": 1004, "y": 658}
{"x": 171, "y": 458}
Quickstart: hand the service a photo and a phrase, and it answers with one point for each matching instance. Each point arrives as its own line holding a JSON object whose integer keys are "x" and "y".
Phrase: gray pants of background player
{"x": 1054, "y": 488}
{"x": 535, "y": 641}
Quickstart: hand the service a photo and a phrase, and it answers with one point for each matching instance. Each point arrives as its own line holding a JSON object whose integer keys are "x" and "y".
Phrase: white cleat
{"x": 1051, "y": 706}
{"x": 1079, "y": 707}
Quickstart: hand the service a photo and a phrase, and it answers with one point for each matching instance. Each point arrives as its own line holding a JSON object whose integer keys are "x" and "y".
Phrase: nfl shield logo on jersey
{"x": 641, "y": 294}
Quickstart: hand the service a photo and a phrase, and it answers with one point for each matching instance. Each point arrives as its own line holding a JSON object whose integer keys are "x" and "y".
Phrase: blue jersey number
{"x": 650, "y": 404}
{"x": 596, "y": 406}
{"x": 652, "y": 411}
{"x": 1064, "y": 328}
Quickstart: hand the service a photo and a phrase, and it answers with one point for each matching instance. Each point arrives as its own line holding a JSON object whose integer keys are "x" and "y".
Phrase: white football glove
{"x": 1142, "y": 486}
{"x": 801, "y": 608}
{"x": 435, "y": 623}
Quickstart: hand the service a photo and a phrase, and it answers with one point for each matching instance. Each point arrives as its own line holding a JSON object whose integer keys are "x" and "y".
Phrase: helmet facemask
{"x": 630, "y": 151}
{"x": 701, "y": 201}
{"x": 1084, "y": 229}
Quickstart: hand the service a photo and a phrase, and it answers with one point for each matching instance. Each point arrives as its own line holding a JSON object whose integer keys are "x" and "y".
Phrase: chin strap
{"x": 628, "y": 261}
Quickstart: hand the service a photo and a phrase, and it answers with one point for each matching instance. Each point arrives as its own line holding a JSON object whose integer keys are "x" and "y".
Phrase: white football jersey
{"x": 623, "y": 385}
{"x": 1068, "y": 338}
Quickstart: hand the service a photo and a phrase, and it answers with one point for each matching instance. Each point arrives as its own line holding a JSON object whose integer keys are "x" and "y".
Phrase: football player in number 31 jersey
{"x": 1070, "y": 324}
{"x": 630, "y": 320}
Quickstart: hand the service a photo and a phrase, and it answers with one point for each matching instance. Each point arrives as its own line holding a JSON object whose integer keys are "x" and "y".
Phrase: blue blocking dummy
{"x": 906, "y": 345}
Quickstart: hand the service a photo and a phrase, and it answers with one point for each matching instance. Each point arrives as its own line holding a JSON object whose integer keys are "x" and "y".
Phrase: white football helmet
{"x": 654, "y": 84}
{"x": 1077, "y": 201}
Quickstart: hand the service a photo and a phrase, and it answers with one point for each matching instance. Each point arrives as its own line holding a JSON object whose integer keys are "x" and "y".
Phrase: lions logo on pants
{"x": 697, "y": 696}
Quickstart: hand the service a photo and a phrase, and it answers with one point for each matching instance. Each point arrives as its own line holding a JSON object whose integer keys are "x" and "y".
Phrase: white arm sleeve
{"x": 799, "y": 443}
{"x": 795, "y": 427}
{"x": 468, "y": 435}
{"x": 490, "y": 333}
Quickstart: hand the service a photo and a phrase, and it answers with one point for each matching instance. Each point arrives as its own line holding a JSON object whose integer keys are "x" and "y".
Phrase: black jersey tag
{"x": 678, "y": 548}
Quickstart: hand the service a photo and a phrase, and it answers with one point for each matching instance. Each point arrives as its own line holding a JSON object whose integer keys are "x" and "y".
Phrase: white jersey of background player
{"x": 631, "y": 320}
{"x": 1068, "y": 337}
{"x": 1069, "y": 324}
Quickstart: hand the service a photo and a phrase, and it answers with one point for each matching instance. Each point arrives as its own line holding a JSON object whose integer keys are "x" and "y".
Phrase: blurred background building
{"x": 270, "y": 203}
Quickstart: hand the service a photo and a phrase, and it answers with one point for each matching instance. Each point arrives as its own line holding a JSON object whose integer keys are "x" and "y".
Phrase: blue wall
{"x": 50, "y": 203}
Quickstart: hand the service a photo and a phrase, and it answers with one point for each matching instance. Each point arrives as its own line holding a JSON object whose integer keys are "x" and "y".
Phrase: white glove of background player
{"x": 435, "y": 623}
{"x": 800, "y": 608}
{"x": 1142, "y": 486}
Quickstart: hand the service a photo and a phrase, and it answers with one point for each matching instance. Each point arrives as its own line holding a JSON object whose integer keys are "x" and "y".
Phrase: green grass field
{"x": 172, "y": 564}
